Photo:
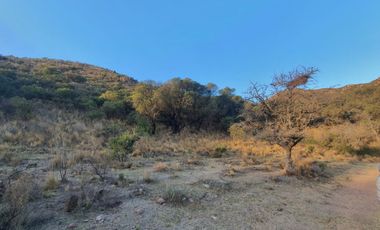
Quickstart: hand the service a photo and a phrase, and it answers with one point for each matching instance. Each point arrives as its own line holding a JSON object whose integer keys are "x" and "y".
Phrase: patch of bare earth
{"x": 210, "y": 193}
{"x": 355, "y": 203}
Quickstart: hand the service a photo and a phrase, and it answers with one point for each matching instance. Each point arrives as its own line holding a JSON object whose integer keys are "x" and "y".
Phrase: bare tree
{"x": 282, "y": 111}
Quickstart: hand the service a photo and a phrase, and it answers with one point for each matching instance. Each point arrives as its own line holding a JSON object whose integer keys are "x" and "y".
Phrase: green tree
{"x": 181, "y": 103}
{"x": 145, "y": 103}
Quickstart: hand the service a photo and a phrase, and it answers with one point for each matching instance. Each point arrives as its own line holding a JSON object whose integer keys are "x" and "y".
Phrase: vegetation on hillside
{"x": 115, "y": 105}
{"x": 73, "y": 126}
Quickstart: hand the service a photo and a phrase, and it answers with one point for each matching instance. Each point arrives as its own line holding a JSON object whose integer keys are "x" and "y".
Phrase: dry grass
{"x": 51, "y": 183}
{"x": 147, "y": 177}
{"x": 176, "y": 196}
{"x": 252, "y": 151}
{"x": 202, "y": 143}
{"x": 49, "y": 126}
{"x": 14, "y": 209}
{"x": 160, "y": 167}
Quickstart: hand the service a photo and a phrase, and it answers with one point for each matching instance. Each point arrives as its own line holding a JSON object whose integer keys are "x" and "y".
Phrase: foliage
{"x": 18, "y": 107}
{"x": 122, "y": 146}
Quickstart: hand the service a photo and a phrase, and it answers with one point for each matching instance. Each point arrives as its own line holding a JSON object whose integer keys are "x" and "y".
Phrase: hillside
{"x": 38, "y": 92}
{"x": 59, "y": 83}
{"x": 84, "y": 147}
{"x": 352, "y": 102}
{"x": 80, "y": 86}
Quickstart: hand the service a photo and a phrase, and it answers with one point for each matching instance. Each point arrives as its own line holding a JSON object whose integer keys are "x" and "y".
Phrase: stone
{"x": 71, "y": 203}
{"x": 139, "y": 211}
{"x": 206, "y": 185}
{"x": 72, "y": 226}
{"x": 160, "y": 200}
{"x": 100, "y": 218}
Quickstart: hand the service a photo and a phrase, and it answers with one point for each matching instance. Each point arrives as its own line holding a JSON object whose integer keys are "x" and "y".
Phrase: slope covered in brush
{"x": 66, "y": 84}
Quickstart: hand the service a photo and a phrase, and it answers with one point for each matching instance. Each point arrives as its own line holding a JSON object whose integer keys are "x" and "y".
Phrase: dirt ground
{"x": 215, "y": 194}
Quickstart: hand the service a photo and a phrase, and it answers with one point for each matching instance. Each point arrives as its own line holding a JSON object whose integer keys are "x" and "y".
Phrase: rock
{"x": 71, "y": 226}
{"x": 31, "y": 165}
{"x": 71, "y": 203}
{"x": 160, "y": 200}
{"x": 206, "y": 185}
{"x": 100, "y": 218}
{"x": 99, "y": 195}
{"x": 2, "y": 189}
{"x": 316, "y": 169}
{"x": 138, "y": 192}
{"x": 139, "y": 211}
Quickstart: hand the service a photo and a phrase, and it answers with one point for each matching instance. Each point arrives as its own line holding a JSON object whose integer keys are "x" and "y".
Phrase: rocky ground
{"x": 206, "y": 193}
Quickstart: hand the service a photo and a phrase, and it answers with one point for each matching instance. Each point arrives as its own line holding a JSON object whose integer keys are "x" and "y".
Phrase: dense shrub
{"x": 122, "y": 146}
{"x": 65, "y": 93}
{"x": 18, "y": 107}
{"x": 34, "y": 91}
{"x": 116, "y": 109}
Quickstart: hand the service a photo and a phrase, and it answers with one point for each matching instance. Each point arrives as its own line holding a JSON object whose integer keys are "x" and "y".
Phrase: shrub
{"x": 100, "y": 163}
{"x": 114, "y": 109}
{"x": 34, "y": 91}
{"x": 65, "y": 93}
{"x": 175, "y": 196}
{"x": 218, "y": 152}
{"x": 61, "y": 163}
{"x": 79, "y": 79}
{"x": 122, "y": 146}
{"x": 237, "y": 131}
{"x": 308, "y": 168}
{"x": 109, "y": 96}
{"x": 13, "y": 211}
{"x": 95, "y": 114}
{"x": 19, "y": 107}
{"x": 51, "y": 183}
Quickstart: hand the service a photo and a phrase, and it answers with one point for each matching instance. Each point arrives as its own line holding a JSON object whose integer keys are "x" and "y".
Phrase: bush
{"x": 61, "y": 163}
{"x": 142, "y": 125}
{"x": 175, "y": 196}
{"x": 95, "y": 114}
{"x": 122, "y": 146}
{"x": 237, "y": 131}
{"x": 34, "y": 91}
{"x": 115, "y": 109}
{"x": 311, "y": 169}
{"x": 65, "y": 94}
{"x": 51, "y": 183}
{"x": 219, "y": 151}
{"x": 100, "y": 163}
{"x": 13, "y": 211}
{"x": 19, "y": 107}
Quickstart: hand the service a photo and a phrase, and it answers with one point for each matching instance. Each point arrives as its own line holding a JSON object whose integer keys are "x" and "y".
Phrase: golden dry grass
{"x": 160, "y": 167}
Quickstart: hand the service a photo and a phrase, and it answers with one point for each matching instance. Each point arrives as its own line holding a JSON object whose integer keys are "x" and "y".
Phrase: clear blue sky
{"x": 228, "y": 42}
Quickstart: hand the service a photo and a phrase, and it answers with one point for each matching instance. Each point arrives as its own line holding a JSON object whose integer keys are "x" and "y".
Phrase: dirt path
{"x": 355, "y": 203}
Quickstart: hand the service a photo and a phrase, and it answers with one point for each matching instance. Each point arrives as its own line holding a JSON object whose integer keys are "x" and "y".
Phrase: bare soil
{"x": 216, "y": 194}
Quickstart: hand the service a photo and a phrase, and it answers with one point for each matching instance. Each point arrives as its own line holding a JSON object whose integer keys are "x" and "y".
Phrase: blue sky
{"x": 229, "y": 43}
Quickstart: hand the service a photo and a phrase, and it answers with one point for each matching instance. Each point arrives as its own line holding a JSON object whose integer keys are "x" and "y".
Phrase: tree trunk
{"x": 289, "y": 165}
{"x": 153, "y": 131}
